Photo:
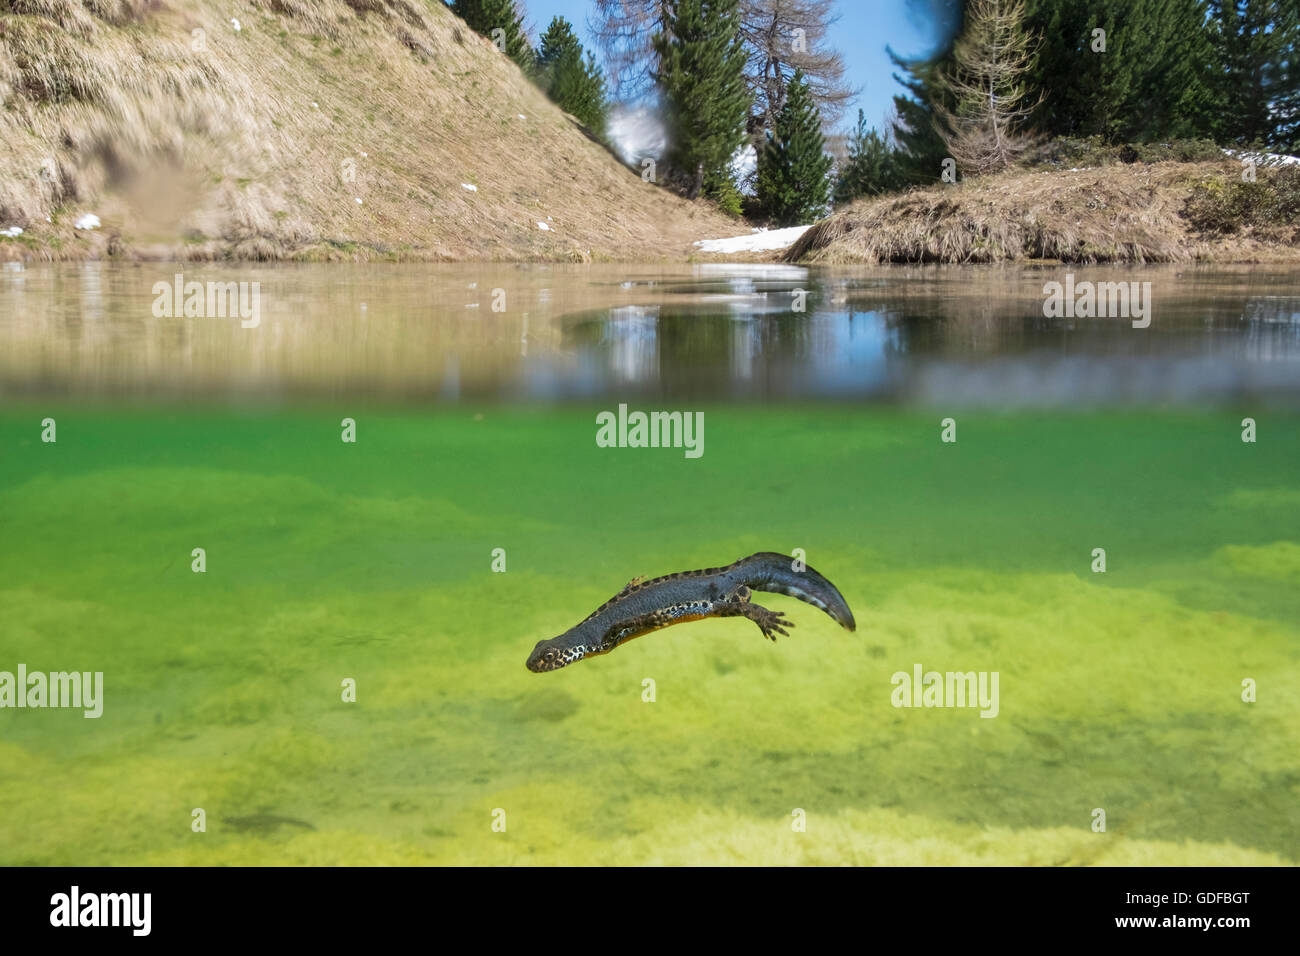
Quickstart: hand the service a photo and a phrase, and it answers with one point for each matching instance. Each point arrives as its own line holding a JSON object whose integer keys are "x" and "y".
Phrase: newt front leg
{"x": 770, "y": 623}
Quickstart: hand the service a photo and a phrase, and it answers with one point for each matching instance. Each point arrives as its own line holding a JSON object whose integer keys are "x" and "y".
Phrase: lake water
{"x": 719, "y": 332}
{"x": 372, "y": 562}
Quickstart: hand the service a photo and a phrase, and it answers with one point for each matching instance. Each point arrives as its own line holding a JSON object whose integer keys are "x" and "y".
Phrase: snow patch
{"x": 760, "y": 240}
{"x": 88, "y": 221}
{"x": 1265, "y": 159}
{"x": 12, "y": 231}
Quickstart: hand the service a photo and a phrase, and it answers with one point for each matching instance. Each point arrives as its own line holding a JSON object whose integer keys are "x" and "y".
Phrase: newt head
{"x": 555, "y": 653}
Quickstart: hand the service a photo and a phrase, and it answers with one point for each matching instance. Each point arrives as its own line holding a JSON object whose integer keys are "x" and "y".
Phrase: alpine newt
{"x": 645, "y": 606}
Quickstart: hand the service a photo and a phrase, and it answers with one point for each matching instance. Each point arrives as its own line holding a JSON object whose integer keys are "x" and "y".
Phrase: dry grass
{"x": 238, "y": 149}
{"x": 1110, "y": 214}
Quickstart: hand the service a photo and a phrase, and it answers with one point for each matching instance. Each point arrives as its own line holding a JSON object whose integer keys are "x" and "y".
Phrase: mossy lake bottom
{"x": 372, "y": 562}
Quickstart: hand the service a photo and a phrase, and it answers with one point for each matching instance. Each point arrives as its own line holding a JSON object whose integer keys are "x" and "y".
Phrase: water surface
{"x": 533, "y": 332}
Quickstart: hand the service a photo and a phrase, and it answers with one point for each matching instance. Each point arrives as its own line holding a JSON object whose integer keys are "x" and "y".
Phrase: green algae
{"x": 372, "y": 562}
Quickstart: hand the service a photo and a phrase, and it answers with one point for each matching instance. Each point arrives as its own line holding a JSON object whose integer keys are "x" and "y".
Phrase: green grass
{"x": 371, "y": 561}
{"x": 1223, "y": 205}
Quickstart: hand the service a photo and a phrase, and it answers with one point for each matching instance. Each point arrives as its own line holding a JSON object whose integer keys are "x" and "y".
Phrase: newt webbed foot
{"x": 772, "y": 623}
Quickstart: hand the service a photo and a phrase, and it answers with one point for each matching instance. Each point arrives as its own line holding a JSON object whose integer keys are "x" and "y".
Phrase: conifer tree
{"x": 780, "y": 36}
{"x": 701, "y": 79}
{"x": 921, "y": 150}
{"x": 988, "y": 87}
{"x": 871, "y": 167}
{"x": 557, "y": 43}
{"x": 792, "y": 186}
{"x": 575, "y": 83}
{"x": 485, "y": 16}
{"x": 1124, "y": 70}
{"x": 1257, "y": 43}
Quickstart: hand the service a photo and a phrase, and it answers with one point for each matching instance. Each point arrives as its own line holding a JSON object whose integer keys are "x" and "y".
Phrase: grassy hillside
{"x": 1161, "y": 212}
{"x": 318, "y": 130}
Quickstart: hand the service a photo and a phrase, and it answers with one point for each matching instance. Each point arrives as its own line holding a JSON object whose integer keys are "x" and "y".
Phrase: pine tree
{"x": 871, "y": 167}
{"x": 987, "y": 84}
{"x": 577, "y": 85}
{"x": 1157, "y": 77}
{"x": 1154, "y": 79}
{"x": 921, "y": 150}
{"x": 768, "y": 28}
{"x": 485, "y": 16}
{"x": 625, "y": 31}
{"x": 701, "y": 78}
{"x": 557, "y": 43}
{"x": 792, "y": 186}
{"x": 1257, "y": 43}
{"x": 1065, "y": 34}
{"x": 782, "y": 36}
{"x": 1287, "y": 135}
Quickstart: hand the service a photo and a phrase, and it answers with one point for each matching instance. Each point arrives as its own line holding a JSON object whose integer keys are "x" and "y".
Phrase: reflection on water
{"x": 967, "y": 335}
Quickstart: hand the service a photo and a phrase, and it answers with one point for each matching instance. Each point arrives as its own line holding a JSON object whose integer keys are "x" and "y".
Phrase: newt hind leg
{"x": 769, "y": 622}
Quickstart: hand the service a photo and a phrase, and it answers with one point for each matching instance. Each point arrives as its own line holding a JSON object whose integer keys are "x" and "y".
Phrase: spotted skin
{"x": 642, "y": 607}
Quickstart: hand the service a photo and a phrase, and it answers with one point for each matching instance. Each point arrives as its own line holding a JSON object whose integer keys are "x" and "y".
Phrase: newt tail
{"x": 645, "y": 606}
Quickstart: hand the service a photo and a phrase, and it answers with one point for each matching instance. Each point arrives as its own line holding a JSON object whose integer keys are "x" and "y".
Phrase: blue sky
{"x": 864, "y": 29}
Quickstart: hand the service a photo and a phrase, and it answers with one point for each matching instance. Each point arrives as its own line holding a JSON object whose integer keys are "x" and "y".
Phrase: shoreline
{"x": 1142, "y": 214}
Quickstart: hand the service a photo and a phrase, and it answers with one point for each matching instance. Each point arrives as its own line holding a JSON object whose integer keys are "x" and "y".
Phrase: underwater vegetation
{"x": 373, "y": 562}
